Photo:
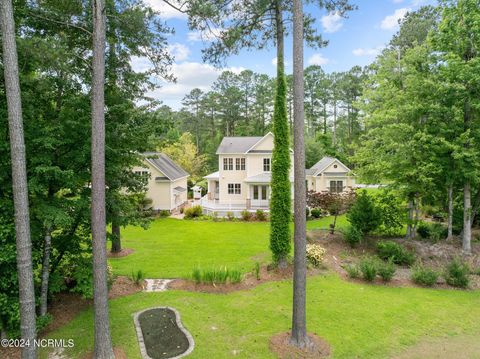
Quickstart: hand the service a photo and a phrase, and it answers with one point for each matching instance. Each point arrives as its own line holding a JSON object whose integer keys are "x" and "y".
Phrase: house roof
{"x": 323, "y": 164}
{"x": 164, "y": 164}
{"x": 237, "y": 144}
{"x": 214, "y": 175}
{"x": 264, "y": 177}
{"x": 180, "y": 189}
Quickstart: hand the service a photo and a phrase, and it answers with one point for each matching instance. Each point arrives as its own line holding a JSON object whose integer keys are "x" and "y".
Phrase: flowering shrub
{"x": 315, "y": 254}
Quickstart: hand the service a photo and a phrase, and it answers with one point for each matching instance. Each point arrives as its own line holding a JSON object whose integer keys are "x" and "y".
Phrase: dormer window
{"x": 266, "y": 165}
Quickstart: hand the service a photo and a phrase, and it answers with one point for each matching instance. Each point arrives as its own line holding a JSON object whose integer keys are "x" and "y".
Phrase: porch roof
{"x": 264, "y": 177}
{"x": 214, "y": 175}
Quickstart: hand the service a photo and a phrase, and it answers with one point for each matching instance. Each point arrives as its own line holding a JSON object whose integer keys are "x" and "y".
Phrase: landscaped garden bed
{"x": 161, "y": 334}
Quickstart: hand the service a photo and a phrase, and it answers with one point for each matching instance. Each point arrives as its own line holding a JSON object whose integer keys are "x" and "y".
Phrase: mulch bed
{"x": 280, "y": 345}
{"x": 437, "y": 255}
{"x": 123, "y": 253}
{"x": 161, "y": 335}
{"x": 249, "y": 281}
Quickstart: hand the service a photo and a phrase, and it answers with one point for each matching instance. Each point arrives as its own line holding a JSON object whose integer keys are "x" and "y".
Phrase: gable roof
{"x": 236, "y": 145}
{"x": 321, "y": 165}
{"x": 165, "y": 165}
{"x": 241, "y": 145}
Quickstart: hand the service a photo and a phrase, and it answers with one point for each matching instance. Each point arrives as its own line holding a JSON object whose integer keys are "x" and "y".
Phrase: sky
{"x": 355, "y": 40}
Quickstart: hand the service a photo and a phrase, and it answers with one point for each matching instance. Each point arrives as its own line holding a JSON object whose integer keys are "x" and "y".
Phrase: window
{"x": 228, "y": 164}
{"x": 336, "y": 186}
{"x": 234, "y": 188}
{"x": 240, "y": 164}
{"x": 266, "y": 164}
{"x": 142, "y": 173}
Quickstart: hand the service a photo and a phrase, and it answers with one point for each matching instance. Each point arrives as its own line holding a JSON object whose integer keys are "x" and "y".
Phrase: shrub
{"x": 316, "y": 213}
{"x": 165, "y": 213}
{"x": 216, "y": 276}
{"x": 137, "y": 277}
{"x": 352, "y": 271}
{"x": 394, "y": 251}
{"x": 260, "y": 215}
{"x": 230, "y": 216}
{"x": 246, "y": 215}
{"x": 433, "y": 231}
{"x": 193, "y": 212}
{"x": 353, "y": 236}
{"x": 257, "y": 270}
{"x": 315, "y": 254}
{"x": 424, "y": 276}
{"x": 307, "y": 212}
{"x": 364, "y": 214}
{"x": 392, "y": 212}
{"x": 423, "y": 230}
{"x": 368, "y": 266}
{"x": 43, "y": 321}
{"x": 456, "y": 274}
{"x": 386, "y": 270}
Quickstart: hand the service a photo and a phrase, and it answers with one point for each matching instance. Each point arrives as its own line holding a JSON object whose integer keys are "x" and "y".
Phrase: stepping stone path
{"x": 156, "y": 285}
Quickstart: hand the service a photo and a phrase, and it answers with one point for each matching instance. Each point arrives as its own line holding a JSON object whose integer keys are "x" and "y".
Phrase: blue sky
{"x": 355, "y": 40}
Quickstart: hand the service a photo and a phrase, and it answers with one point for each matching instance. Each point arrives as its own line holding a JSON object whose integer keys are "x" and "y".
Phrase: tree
{"x": 280, "y": 204}
{"x": 299, "y": 318}
{"x": 185, "y": 153}
{"x": 333, "y": 203}
{"x": 19, "y": 178}
{"x": 457, "y": 42}
{"x": 364, "y": 215}
{"x": 103, "y": 342}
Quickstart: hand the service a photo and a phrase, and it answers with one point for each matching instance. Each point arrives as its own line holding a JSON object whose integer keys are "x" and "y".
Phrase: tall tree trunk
{"x": 19, "y": 181}
{"x": 450, "y": 212}
{"x": 116, "y": 240}
{"x": 47, "y": 244}
{"x": 324, "y": 118}
{"x": 475, "y": 208}
{"x": 467, "y": 219}
{"x": 417, "y": 215}
{"x": 299, "y": 321}
{"x": 410, "y": 219}
{"x": 334, "y": 139}
{"x": 102, "y": 339}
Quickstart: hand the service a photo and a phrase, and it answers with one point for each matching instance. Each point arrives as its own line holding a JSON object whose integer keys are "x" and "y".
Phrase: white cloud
{"x": 332, "y": 22}
{"x": 205, "y": 35}
{"x": 189, "y": 75}
{"x": 140, "y": 64}
{"x": 165, "y": 10}
{"x": 274, "y": 62}
{"x": 390, "y": 22}
{"x": 317, "y": 59}
{"x": 367, "y": 51}
{"x": 179, "y": 51}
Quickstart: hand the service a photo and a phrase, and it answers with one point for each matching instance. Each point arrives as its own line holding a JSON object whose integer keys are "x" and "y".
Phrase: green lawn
{"x": 171, "y": 248}
{"x": 358, "y": 320}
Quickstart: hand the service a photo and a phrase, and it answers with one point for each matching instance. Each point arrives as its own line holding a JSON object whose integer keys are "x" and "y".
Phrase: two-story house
{"x": 244, "y": 175}
{"x": 243, "y": 179}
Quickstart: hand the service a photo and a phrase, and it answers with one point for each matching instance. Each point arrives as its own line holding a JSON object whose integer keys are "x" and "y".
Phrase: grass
{"x": 361, "y": 321}
{"x": 171, "y": 248}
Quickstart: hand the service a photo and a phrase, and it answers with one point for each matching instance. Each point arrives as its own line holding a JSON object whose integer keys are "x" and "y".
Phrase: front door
{"x": 217, "y": 188}
{"x": 260, "y": 195}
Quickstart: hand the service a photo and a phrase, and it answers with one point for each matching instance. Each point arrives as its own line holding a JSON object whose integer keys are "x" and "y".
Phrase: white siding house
{"x": 243, "y": 179}
{"x": 167, "y": 181}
